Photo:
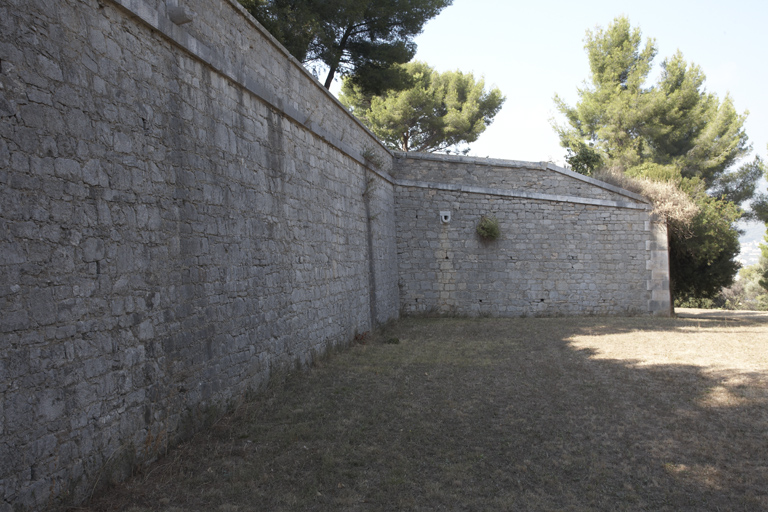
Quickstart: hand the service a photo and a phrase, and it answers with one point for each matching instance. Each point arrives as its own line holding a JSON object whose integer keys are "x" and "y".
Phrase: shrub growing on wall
{"x": 488, "y": 227}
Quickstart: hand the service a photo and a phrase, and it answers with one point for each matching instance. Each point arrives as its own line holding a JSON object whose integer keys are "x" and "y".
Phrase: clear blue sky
{"x": 534, "y": 50}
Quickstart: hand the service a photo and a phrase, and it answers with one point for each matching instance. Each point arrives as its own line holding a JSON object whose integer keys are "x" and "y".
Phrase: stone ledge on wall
{"x": 521, "y": 194}
{"x": 598, "y": 253}
{"x": 235, "y": 71}
{"x": 518, "y": 164}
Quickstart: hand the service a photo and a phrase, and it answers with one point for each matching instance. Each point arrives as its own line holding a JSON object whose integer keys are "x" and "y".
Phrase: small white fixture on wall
{"x": 445, "y": 217}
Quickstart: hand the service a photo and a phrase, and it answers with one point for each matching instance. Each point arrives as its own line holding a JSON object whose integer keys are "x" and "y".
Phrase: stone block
{"x": 93, "y": 249}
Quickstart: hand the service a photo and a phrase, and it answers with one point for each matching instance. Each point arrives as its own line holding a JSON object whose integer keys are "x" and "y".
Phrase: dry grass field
{"x": 493, "y": 414}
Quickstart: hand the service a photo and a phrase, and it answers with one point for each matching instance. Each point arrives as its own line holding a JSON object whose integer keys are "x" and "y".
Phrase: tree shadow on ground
{"x": 593, "y": 432}
{"x": 519, "y": 414}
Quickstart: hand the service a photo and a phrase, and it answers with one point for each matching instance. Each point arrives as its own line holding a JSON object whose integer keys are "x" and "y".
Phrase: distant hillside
{"x": 750, "y": 242}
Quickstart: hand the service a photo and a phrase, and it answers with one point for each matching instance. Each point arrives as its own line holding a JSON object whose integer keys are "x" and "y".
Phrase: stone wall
{"x": 520, "y": 177}
{"x": 560, "y": 252}
{"x": 184, "y": 211}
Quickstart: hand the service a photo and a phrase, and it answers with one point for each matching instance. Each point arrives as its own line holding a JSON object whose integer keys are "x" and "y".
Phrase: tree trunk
{"x": 329, "y": 78}
{"x": 334, "y": 66}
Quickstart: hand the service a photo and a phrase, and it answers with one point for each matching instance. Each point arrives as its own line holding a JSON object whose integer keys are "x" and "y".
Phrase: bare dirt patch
{"x": 490, "y": 414}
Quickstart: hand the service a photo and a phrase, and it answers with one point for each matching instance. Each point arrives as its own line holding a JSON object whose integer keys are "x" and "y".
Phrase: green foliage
{"x": 760, "y": 212}
{"x": 608, "y": 112}
{"x": 739, "y": 186}
{"x": 702, "y": 261}
{"x": 372, "y": 158}
{"x": 584, "y": 159}
{"x": 674, "y": 122}
{"x": 699, "y": 303}
{"x": 488, "y": 227}
{"x": 293, "y": 23}
{"x": 655, "y": 172}
{"x": 759, "y": 204}
{"x": 358, "y": 38}
{"x": 759, "y": 208}
{"x": 763, "y": 277}
{"x": 438, "y": 112}
{"x": 691, "y": 128}
{"x": 672, "y": 131}
{"x": 746, "y": 292}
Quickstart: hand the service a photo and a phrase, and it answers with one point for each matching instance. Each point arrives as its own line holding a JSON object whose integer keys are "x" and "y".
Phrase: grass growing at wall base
{"x": 493, "y": 414}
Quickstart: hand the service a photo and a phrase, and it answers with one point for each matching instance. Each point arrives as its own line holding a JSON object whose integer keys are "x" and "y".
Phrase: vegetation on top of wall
{"x": 372, "y": 158}
{"x": 361, "y": 39}
{"x": 703, "y": 239}
{"x": 670, "y": 204}
{"x": 437, "y": 112}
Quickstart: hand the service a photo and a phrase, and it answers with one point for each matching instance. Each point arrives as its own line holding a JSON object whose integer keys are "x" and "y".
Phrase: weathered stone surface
{"x": 184, "y": 210}
{"x": 170, "y": 236}
{"x": 560, "y": 252}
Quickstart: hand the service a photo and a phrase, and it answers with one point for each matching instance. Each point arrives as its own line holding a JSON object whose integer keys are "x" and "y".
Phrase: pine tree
{"x": 764, "y": 263}
{"x": 671, "y": 131}
{"x": 437, "y": 112}
{"x": 357, "y": 38}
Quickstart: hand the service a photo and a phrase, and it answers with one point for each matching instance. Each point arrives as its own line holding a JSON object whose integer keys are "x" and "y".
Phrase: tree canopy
{"x": 627, "y": 123}
{"x": 702, "y": 259}
{"x": 359, "y": 38}
{"x": 759, "y": 205}
{"x": 437, "y": 112}
{"x": 673, "y": 130}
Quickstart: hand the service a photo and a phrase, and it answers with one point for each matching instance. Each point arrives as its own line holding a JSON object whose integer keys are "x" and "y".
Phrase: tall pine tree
{"x": 437, "y": 112}
{"x": 672, "y": 130}
{"x": 357, "y": 38}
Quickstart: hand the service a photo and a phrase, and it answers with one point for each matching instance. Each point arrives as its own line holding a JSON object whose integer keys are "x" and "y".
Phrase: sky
{"x": 534, "y": 50}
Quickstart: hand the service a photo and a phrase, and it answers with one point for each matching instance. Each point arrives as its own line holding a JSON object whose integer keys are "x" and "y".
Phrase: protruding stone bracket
{"x": 180, "y": 15}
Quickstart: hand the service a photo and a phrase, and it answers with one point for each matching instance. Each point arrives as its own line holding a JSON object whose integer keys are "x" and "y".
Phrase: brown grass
{"x": 488, "y": 414}
{"x": 670, "y": 203}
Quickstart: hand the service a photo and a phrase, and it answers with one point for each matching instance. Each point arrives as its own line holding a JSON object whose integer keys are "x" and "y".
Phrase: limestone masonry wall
{"x": 177, "y": 223}
{"x": 597, "y": 253}
{"x": 185, "y": 211}
{"x": 522, "y": 177}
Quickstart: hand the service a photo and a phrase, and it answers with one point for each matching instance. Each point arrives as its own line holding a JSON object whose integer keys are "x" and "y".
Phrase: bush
{"x": 488, "y": 227}
{"x": 671, "y": 204}
{"x": 746, "y": 293}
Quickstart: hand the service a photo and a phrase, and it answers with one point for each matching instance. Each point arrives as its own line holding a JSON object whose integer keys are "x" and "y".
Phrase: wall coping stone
{"x": 518, "y": 164}
{"x": 470, "y": 189}
{"x": 162, "y": 23}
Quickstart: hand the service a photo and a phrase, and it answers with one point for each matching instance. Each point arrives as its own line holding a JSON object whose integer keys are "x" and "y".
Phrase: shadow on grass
{"x": 486, "y": 415}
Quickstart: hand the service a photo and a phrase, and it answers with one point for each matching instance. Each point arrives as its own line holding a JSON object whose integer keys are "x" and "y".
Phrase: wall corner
{"x": 657, "y": 263}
